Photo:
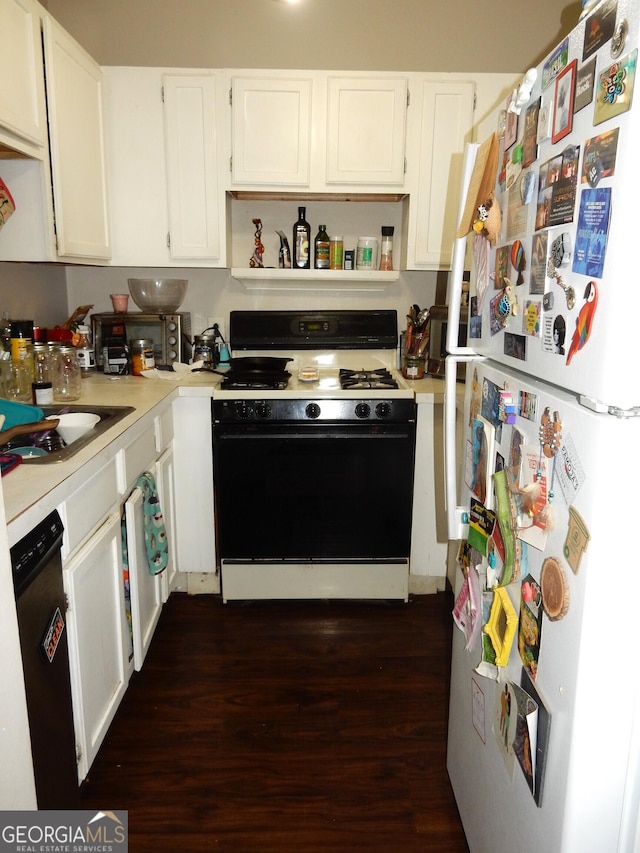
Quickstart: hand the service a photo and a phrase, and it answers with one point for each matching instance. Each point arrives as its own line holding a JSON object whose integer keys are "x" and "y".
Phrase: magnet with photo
{"x": 538, "y": 263}
{"x": 563, "y": 106}
{"x": 599, "y": 27}
{"x": 515, "y": 346}
{"x": 545, "y": 118}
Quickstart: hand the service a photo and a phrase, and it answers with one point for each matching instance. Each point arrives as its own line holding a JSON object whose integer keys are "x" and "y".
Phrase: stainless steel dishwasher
{"x": 41, "y": 607}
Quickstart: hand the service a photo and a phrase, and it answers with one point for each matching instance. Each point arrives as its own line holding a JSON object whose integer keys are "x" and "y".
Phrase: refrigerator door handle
{"x": 457, "y": 263}
{"x": 457, "y": 516}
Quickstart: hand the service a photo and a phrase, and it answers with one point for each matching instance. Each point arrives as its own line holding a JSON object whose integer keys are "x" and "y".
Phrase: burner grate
{"x": 380, "y": 378}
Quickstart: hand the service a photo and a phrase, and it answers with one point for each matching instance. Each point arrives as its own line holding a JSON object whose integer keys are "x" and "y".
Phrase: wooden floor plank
{"x": 286, "y": 726}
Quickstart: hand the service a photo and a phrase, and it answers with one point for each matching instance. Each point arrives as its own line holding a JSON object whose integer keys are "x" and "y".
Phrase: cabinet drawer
{"x": 135, "y": 459}
{"x": 163, "y": 424}
{"x": 84, "y": 510}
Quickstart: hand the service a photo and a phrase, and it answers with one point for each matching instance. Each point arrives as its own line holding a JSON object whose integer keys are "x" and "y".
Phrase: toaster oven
{"x": 170, "y": 334}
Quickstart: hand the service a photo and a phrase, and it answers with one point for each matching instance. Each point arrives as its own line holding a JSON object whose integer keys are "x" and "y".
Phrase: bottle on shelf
{"x": 301, "y": 241}
{"x": 386, "y": 248}
{"x": 335, "y": 252}
{"x": 321, "y": 249}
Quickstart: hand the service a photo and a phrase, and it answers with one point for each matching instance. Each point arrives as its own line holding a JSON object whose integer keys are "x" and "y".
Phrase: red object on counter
{"x": 59, "y": 335}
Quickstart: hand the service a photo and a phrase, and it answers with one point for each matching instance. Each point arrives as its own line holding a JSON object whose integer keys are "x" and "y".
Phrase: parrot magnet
{"x": 508, "y": 303}
{"x": 584, "y": 320}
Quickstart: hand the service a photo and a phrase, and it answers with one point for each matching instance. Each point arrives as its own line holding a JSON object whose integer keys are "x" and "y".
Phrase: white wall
{"x": 410, "y": 35}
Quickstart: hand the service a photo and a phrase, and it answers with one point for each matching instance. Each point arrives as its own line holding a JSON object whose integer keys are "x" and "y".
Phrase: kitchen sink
{"x": 59, "y": 452}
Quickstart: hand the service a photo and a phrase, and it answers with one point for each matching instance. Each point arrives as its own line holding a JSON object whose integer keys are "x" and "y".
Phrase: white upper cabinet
{"x": 76, "y": 139}
{"x": 320, "y": 133}
{"x": 366, "y": 129}
{"x": 22, "y": 104}
{"x": 446, "y": 122}
{"x": 166, "y": 152}
{"x": 192, "y": 167}
{"x": 271, "y": 131}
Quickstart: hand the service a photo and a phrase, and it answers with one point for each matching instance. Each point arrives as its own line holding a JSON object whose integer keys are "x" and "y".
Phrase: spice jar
{"x": 66, "y": 380}
{"x": 142, "y": 357}
{"x": 386, "y": 248}
{"x": 413, "y": 366}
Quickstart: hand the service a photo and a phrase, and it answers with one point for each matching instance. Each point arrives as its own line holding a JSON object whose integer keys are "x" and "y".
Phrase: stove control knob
{"x": 383, "y": 410}
{"x": 312, "y": 411}
{"x": 243, "y": 411}
{"x": 263, "y": 410}
{"x": 363, "y": 410}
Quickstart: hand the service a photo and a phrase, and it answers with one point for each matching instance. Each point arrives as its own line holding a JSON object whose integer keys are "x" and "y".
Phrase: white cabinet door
{"x": 192, "y": 166}
{"x": 146, "y": 589}
{"x": 99, "y": 639}
{"x": 136, "y": 165}
{"x": 366, "y": 126}
{"x": 74, "y": 106}
{"x": 22, "y": 106}
{"x": 166, "y": 490}
{"x": 447, "y": 120}
{"x": 271, "y": 131}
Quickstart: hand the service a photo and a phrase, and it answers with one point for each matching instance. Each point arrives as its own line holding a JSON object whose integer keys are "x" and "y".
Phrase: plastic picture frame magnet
{"x": 501, "y": 625}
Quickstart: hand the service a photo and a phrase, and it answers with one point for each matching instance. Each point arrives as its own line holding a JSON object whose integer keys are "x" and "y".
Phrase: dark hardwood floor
{"x": 286, "y": 726}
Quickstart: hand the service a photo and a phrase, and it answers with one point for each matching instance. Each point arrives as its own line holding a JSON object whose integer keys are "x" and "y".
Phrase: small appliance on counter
{"x": 170, "y": 333}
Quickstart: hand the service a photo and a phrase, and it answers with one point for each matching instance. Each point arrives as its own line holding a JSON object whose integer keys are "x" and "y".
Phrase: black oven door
{"x": 310, "y": 491}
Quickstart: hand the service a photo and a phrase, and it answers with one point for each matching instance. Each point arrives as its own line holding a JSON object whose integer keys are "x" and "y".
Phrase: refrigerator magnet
{"x": 614, "y": 92}
{"x": 501, "y": 625}
{"x": 577, "y": 540}
{"x": 555, "y": 590}
{"x": 563, "y": 106}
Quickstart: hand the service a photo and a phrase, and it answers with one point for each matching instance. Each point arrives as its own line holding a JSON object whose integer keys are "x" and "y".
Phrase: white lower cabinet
{"x": 165, "y": 481}
{"x": 99, "y": 639}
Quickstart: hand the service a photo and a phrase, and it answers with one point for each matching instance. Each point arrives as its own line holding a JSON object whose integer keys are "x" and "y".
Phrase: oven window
{"x": 312, "y": 494}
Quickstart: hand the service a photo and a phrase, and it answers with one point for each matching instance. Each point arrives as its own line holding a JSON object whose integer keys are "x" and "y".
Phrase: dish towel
{"x": 155, "y": 532}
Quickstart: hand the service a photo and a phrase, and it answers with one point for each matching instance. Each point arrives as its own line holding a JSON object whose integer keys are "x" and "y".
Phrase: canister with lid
{"x": 367, "y": 253}
{"x": 142, "y": 357}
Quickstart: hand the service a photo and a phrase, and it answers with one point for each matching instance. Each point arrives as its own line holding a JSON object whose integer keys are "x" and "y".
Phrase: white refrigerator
{"x": 544, "y": 719}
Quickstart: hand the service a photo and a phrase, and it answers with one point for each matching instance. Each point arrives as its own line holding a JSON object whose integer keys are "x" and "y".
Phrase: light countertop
{"x": 32, "y": 490}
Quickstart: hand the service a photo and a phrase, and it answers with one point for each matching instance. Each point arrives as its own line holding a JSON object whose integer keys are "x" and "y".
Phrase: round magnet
{"x": 555, "y": 589}
{"x": 619, "y": 39}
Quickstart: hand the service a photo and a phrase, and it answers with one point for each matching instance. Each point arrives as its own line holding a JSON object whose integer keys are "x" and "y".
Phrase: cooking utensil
{"x": 26, "y": 429}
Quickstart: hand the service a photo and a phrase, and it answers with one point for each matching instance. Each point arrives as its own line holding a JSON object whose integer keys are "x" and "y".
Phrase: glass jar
{"x": 142, "y": 356}
{"x": 42, "y": 363}
{"x": 66, "y": 379}
{"x": 413, "y": 366}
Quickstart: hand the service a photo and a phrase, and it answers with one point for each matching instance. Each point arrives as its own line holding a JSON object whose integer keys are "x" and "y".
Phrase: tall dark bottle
{"x": 301, "y": 241}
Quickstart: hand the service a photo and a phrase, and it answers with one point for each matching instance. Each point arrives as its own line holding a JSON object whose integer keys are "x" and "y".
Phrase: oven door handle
{"x": 315, "y": 432}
